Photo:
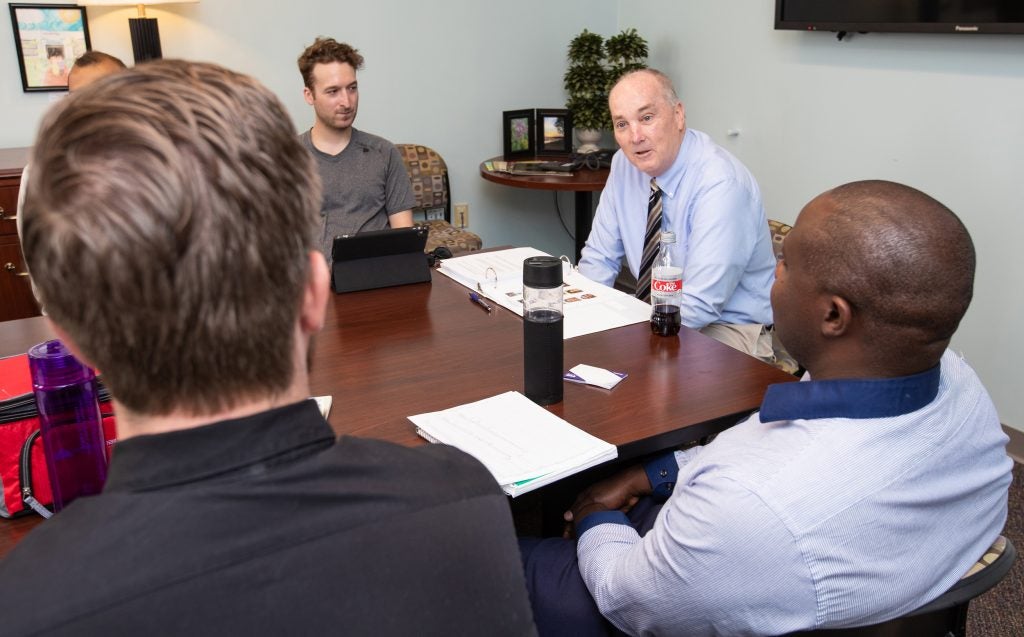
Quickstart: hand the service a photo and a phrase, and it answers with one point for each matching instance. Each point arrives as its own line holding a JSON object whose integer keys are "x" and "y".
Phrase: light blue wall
{"x": 942, "y": 113}
{"x": 437, "y": 73}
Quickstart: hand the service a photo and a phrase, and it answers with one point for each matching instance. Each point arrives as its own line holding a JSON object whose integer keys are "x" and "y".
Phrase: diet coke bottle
{"x": 666, "y": 289}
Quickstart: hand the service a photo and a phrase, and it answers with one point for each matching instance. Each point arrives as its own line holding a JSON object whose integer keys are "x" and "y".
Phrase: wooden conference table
{"x": 390, "y": 353}
{"x": 584, "y": 183}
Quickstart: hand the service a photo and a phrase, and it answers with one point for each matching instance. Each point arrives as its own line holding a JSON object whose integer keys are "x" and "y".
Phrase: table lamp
{"x": 145, "y": 32}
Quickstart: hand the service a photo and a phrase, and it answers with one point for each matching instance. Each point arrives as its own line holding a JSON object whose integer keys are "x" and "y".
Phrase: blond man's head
{"x": 170, "y": 215}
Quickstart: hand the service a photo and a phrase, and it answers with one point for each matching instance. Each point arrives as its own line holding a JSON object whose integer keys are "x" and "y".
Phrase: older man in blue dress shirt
{"x": 709, "y": 199}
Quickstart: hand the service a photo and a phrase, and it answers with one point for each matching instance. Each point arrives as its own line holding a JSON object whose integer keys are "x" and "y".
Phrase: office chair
{"x": 429, "y": 176}
{"x": 778, "y": 232}
{"x": 783, "y": 360}
{"x": 946, "y": 615}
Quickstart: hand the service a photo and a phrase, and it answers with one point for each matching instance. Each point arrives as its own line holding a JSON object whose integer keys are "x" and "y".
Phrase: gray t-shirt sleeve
{"x": 399, "y": 188}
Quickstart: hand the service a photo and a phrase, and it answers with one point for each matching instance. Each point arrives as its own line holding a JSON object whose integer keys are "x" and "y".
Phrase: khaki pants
{"x": 753, "y": 339}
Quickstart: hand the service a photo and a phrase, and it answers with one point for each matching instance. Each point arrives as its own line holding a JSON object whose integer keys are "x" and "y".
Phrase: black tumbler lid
{"x": 542, "y": 272}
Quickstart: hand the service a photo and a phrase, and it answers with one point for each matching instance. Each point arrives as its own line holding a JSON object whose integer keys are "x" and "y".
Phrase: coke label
{"x": 667, "y": 286}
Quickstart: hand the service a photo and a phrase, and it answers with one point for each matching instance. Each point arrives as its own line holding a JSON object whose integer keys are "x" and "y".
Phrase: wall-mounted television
{"x": 901, "y": 16}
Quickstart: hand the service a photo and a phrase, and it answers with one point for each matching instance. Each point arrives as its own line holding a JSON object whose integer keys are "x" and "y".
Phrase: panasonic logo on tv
{"x": 963, "y": 28}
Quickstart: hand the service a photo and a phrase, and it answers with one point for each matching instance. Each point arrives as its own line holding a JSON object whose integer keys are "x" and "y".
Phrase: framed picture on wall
{"x": 554, "y": 131}
{"x": 48, "y": 38}
{"x": 518, "y": 133}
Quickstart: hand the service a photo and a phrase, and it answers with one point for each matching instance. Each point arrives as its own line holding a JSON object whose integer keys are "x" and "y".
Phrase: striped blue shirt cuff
{"x": 600, "y": 517}
{"x": 662, "y": 471}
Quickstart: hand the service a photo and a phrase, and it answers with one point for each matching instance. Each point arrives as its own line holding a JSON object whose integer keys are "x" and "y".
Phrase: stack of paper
{"x": 524, "y": 446}
{"x": 588, "y": 306}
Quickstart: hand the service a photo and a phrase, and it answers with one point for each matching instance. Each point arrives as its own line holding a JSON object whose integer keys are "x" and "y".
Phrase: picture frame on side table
{"x": 48, "y": 39}
{"x": 518, "y": 130}
{"x": 554, "y": 131}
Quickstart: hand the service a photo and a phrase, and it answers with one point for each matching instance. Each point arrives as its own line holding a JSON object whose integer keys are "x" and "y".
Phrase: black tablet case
{"x": 379, "y": 259}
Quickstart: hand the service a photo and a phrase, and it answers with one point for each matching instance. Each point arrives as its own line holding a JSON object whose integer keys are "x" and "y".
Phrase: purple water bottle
{"x": 69, "y": 417}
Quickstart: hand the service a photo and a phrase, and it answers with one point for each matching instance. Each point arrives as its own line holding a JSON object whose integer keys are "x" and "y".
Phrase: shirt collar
{"x": 850, "y": 398}
{"x": 669, "y": 181}
{"x": 190, "y": 455}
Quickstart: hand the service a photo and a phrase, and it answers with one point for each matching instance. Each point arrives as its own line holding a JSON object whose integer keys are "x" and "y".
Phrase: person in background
{"x": 171, "y": 222}
{"x": 89, "y": 67}
{"x": 366, "y": 186}
{"x": 707, "y": 197}
{"x": 851, "y": 498}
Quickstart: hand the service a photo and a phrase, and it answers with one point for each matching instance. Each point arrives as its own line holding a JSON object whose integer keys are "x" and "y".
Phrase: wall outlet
{"x": 462, "y": 214}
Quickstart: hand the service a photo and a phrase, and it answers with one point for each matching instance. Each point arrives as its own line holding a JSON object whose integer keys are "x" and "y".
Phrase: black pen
{"x": 476, "y": 298}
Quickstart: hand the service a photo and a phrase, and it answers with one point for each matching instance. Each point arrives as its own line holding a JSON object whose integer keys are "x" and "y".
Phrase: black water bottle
{"x": 542, "y": 329}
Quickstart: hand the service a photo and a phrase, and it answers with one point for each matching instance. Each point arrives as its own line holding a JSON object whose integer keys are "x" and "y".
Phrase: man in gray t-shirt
{"x": 365, "y": 184}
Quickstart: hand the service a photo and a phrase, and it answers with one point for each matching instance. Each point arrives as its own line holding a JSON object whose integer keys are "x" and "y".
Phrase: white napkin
{"x": 596, "y": 376}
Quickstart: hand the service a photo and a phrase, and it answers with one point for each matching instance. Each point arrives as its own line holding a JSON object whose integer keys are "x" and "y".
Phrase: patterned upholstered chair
{"x": 779, "y": 231}
{"x": 429, "y": 176}
{"x": 946, "y": 616}
{"x": 783, "y": 360}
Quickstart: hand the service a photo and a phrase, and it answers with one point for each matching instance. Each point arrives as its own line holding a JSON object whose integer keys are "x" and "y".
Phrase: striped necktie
{"x": 652, "y": 243}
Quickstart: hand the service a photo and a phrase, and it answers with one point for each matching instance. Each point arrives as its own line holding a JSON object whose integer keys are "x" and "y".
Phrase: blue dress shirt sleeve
{"x": 682, "y": 578}
{"x": 601, "y": 257}
{"x": 717, "y": 251}
{"x": 662, "y": 471}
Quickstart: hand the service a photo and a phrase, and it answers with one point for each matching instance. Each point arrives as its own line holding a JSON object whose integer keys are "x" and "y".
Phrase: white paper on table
{"x": 596, "y": 307}
{"x": 588, "y": 306}
{"x": 324, "y": 404}
{"x": 518, "y": 441}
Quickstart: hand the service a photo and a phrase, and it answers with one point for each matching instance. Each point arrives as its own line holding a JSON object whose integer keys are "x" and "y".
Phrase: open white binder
{"x": 588, "y": 306}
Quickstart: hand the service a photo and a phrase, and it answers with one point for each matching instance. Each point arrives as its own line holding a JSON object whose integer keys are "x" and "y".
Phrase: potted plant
{"x": 594, "y": 66}
{"x": 586, "y": 83}
{"x": 624, "y": 52}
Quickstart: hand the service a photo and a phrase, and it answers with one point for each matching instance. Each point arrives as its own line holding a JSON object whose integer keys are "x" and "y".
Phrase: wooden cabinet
{"x": 16, "y": 299}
